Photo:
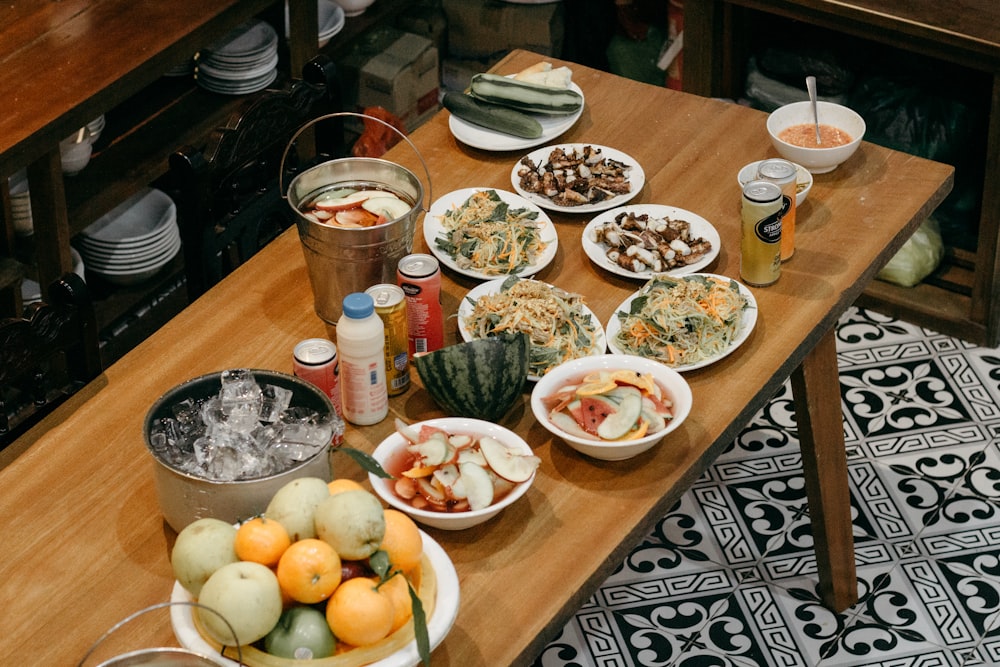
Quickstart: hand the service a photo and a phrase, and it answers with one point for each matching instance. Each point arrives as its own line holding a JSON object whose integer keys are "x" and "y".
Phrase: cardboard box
{"x": 403, "y": 79}
{"x": 456, "y": 74}
{"x": 480, "y": 29}
{"x": 427, "y": 20}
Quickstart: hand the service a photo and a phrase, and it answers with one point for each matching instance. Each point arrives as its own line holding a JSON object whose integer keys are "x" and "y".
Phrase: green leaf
{"x": 379, "y": 562}
{"x": 420, "y": 627}
{"x": 365, "y": 460}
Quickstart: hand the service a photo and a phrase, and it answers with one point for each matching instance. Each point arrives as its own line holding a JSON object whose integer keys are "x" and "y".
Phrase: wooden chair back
{"x": 228, "y": 203}
{"x": 46, "y": 356}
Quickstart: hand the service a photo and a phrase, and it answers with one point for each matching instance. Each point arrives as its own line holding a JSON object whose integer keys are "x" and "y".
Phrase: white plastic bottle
{"x": 360, "y": 345}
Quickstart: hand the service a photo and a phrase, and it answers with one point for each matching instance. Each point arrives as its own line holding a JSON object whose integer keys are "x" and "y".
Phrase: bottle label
{"x": 768, "y": 229}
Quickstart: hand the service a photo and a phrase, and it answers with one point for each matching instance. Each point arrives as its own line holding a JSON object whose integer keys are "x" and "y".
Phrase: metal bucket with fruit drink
{"x": 343, "y": 259}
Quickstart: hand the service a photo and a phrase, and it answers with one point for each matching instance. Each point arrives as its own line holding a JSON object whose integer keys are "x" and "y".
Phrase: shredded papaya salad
{"x": 559, "y": 327}
{"x": 486, "y": 234}
{"x": 682, "y": 321}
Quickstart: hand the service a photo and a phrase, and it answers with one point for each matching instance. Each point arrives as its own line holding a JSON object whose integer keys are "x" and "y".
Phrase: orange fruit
{"x": 309, "y": 571}
{"x": 358, "y": 613}
{"x": 344, "y": 484}
{"x": 261, "y": 540}
{"x": 402, "y": 541}
{"x": 398, "y": 590}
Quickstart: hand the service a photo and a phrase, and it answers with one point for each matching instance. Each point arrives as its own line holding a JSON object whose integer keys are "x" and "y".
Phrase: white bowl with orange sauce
{"x": 837, "y": 124}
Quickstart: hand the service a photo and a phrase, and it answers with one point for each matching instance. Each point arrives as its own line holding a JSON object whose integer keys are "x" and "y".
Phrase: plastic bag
{"x": 918, "y": 257}
{"x": 376, "y": 138}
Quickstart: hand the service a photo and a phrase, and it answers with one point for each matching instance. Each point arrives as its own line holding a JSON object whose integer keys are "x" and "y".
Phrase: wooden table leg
{"x": 816, "y": 388}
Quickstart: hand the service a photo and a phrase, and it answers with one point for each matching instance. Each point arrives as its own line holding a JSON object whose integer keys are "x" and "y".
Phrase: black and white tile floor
{"x": 728, "y": 576}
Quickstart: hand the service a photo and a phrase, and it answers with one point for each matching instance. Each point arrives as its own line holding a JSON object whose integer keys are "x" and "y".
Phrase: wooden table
{"x": 84, "y": 543}
{"x": 960, "y": 298}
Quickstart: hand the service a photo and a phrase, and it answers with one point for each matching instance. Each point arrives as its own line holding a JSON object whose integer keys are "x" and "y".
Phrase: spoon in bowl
{"x": 811, "y": 87}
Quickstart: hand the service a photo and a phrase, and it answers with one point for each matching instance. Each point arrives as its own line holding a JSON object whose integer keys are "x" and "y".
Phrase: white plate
{"x": 747, "y": 324}
{"x": 490, "y": 140}
{"x": 440, "y": 622}
{"x": 700, "y": 228}
{"x": 636, "y": 177}
{"x": 803, "y": 179}
{"x": 142, "y": 217}
{"x": 493, "y": 287}
{"x": 433, "y": 229}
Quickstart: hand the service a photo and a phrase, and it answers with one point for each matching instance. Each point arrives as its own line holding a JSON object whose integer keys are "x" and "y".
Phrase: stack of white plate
{"x": 133, "y": 241}
{"x": 20, "y": 204}
{"x": 244, "y": 61}
{"x": 331, "y": 20}
{"x": 95, "y": 127}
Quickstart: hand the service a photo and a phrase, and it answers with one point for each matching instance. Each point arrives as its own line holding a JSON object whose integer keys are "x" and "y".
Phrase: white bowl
{"x": 573, "y": 371}
{"x": 816, "y": 160}
{"x": 141, "y": 218}
{"x": 804, "y": 179}
{"x": 74, "y": 155}
{"x": 354, "y": 7}
{"x": 455, "y": 520}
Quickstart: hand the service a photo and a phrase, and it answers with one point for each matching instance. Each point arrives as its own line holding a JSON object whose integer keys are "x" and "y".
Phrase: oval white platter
{"x": 747, "y": 324}
{"x": 440, "y": 622}
{"x": 493, "y": 287}
{"x": 540, "y": 157}
{"x": 490, "y": 140}
{"x": 433, "y": 229}
{"x": 700, "y": 228}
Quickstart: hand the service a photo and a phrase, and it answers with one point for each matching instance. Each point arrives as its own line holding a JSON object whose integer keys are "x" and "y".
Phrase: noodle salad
{"x": 486, "y": 234}
{"x": 682, "y": 321}
{"x": 559, "y": 325}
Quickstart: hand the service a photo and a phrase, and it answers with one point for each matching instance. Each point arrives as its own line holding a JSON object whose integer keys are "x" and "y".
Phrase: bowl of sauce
{"x": 793, "y": 134}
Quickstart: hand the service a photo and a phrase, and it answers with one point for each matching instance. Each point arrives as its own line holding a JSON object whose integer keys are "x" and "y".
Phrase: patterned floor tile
{"x": 728, "y": 577}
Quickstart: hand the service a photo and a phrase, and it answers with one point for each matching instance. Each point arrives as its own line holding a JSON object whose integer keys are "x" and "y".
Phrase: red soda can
{"x": 315, "y": 361}
{"x": 420, "y": 277}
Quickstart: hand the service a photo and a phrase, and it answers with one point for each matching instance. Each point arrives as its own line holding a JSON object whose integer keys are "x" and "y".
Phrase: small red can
{"x": 420, "y": 277}
{"x": 315, "y": 361}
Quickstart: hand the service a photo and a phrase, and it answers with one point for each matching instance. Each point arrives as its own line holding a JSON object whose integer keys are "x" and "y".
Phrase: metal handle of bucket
{"x": 161, "y": 605}
{"x": 341, "y": 114}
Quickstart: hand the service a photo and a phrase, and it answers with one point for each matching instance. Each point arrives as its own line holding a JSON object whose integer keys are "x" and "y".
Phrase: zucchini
{"x": 492, "y": 116}
{"x": 524, "y": 95}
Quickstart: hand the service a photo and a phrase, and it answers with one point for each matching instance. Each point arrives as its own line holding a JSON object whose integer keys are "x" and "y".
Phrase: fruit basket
{"x": 438, "y": 590}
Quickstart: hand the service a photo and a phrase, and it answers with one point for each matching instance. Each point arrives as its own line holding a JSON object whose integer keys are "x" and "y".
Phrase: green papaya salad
{"x": 559, "y": 325}
{"x": 487, "y": 234}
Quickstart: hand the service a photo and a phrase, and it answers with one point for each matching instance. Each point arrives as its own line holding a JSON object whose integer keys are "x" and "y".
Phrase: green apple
{"x": 302, "y": 633}
{"x": 352, "y": 522}
{"x": 201, "y": 548}
{"x": 245, "y": 594}
{"x": 294, "y": 504}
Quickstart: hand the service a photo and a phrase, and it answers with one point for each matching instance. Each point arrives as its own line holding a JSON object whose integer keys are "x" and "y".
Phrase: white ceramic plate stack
{"x": 133, "y": 241}
{"x": 95, "y": 127}
{"x": 244, "y": 61}
{"x": 20, "y": 204}
{"x": 331, "y": 20}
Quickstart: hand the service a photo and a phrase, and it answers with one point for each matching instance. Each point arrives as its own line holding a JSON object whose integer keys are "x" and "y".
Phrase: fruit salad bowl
{"x": 611, "y": 407}
{"x": 453, "y": 473}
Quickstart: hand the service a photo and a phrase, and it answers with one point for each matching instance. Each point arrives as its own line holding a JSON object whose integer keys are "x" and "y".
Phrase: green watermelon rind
{"x": 446, "y": 376}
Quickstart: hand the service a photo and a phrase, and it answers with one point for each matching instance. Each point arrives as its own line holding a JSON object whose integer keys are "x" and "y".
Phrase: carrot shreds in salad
{"x": 487, "y": 235}
{"x": 682, "y": 321}
{"x": 555, "y": 320}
